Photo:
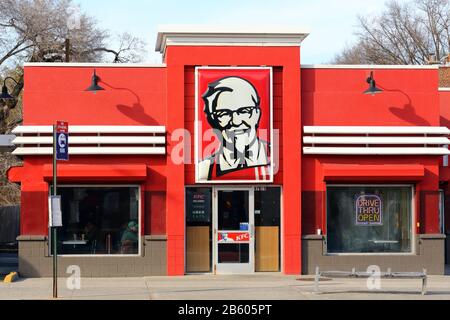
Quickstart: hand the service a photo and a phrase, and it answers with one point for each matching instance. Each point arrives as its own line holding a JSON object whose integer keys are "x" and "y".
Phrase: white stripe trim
{"x": 152, "y": 135}
{"x": 95, "y": 140}
{"x": 93, "y": 151}
{"x": 376, "y": 140}
{"x": 91, "y": 129}
{"x": 444, "y": 89}
{"x": 376, "y": 151}
{"x": 375, "y": 130}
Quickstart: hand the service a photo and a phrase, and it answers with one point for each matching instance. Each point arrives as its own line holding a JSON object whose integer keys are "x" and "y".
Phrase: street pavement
{"x": 234, "y": 287}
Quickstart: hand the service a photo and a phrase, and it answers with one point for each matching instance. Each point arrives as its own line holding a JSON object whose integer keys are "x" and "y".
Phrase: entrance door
{"x": 234, "y": 231}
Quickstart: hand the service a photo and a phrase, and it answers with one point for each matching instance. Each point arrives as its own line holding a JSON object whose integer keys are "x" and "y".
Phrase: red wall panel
{"x": 132, "y": 96}
{"x": 334, "y": 97}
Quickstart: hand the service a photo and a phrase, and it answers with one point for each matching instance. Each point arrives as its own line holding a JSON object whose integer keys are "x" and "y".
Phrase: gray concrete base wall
{"x": 430, "y": 255}
{"x": 35, "y": 261}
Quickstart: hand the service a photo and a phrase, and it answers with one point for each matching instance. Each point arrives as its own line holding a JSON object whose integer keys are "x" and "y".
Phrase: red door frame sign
{"x": 233, "y": 237}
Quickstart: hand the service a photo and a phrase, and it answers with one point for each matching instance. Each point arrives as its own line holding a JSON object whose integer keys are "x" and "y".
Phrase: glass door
{"x": 234, "y": 231}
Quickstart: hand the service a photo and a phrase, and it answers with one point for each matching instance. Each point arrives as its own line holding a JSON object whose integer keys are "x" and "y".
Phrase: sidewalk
{"x": 235, "y": 287}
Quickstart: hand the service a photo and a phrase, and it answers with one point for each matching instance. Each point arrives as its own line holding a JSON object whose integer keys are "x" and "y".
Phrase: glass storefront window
{"x": 369, "y": 219}
{"x": 99, "y": 221}
{"x": 233, "y": 253}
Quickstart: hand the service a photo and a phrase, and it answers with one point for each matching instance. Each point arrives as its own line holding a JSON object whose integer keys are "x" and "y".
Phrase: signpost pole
{"x": 54, "y": 234}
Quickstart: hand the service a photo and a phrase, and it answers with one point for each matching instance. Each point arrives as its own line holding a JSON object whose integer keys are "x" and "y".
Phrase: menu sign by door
{"x": 198, "y": 205}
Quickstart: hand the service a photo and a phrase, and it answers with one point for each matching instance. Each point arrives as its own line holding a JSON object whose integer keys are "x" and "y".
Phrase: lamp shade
{"x": 5, "y": 94}
{"x": 94, "y": 87}
{"x": 372, "y": 86}
{"x": 373, "y": 90}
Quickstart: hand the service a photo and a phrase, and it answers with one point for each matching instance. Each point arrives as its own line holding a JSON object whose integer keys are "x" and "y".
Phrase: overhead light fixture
{"x": 372, "y": 86}
{"x": 94, "y": 85}
{"x": 5, "y": 94}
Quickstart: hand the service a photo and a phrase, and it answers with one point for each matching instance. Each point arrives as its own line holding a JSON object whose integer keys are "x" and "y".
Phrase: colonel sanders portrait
{"x": 232, "y": 108}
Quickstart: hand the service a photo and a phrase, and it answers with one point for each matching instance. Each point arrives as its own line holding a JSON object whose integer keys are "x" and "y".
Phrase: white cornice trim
{"x": 444, "y": 89}
{"x": 367, "y": 66}
{"x": 206, "y": 35}
{"x": 93, "y": 65}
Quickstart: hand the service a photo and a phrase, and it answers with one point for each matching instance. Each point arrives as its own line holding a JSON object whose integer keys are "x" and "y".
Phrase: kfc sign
{"x": 226, "y": 237}
{"x": 233, "y": 131}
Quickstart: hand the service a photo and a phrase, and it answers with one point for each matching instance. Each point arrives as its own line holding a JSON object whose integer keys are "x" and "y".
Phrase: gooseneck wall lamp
{"x": 94, "y": 85}
{"x": 5, "y": 94}
{"x": 372, "y": 86}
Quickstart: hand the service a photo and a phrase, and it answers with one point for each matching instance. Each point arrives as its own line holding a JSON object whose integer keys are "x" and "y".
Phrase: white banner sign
{"x": 55, "y": 214}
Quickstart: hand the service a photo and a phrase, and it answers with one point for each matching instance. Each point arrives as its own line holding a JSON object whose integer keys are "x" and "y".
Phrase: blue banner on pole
{"x": 62, "y": 146}
{"x": 62, "y": 141}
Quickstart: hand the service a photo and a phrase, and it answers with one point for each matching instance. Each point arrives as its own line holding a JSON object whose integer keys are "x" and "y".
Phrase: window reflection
{"x": 370, "y": 219}
{"x": 99, "y": 220}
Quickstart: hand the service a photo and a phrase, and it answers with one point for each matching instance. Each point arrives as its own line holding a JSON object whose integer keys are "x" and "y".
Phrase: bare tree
{"x": 54, "y": 31}
{"x": 417, "y": 32}
{"x": 48, "y": 31}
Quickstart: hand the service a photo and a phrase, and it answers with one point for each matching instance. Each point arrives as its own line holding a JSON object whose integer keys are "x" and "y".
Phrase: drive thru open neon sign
{"x": 369, "y": 210}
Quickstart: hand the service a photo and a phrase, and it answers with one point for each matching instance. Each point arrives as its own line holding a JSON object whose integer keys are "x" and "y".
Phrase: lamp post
{"x": 53, "y": 228}
{"x": 60, "y": 153}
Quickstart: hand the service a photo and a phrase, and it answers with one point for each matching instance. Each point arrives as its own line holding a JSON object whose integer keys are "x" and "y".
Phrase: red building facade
{"x": 132, "y": 203}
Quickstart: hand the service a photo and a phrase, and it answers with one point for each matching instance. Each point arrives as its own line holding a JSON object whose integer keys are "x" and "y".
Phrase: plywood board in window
{"x": 197, "y": 249}
{"x": 267, "y": 255}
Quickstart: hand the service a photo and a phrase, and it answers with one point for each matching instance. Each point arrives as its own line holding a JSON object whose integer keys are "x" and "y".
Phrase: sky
{"x": 331, "y": 23}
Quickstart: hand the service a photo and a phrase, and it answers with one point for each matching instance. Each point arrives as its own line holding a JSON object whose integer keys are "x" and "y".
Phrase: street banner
{"x": 62, "y": 141}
